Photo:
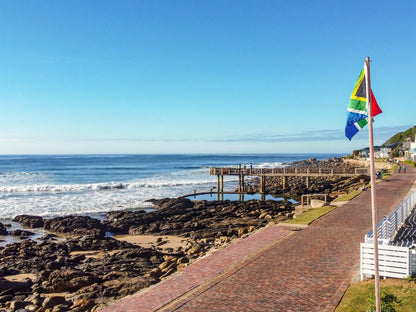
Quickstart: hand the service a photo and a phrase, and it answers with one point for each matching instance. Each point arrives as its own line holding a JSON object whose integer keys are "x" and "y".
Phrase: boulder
{"x": 21, "y": 233}
{"x": 3, "y": 230}
{"x": 316, "y": 203}
{"x": 78, "y": 224}
{"x": 29, "y": 221}
{"x": 16, "y": 305}
{"x": 14, "y": 286}
{"x": 83, "y": 304}
{"x": 52, "y": 301}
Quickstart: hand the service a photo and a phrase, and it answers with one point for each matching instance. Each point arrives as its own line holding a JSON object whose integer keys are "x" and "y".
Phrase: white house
{"x": 412, "y": 150}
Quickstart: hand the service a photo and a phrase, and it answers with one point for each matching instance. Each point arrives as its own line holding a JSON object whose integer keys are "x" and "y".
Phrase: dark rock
{"x": 13, "y": 287}
{"x": 79, "y": 224}
{"x": 6, "y": 298}
{"x": 119, "y": 222}
{"x": 49, "y": 237}
{"x": 35, "y": 299}
{"x": 17, "y": 305}
{"x": 32, "y": 308}
{"x": 69, "y": 280}
{"x": 52, "y": 301}
{"x": 3, "y": 230}
{"x": 21, "y": 233}
{"x": 29, "y": 221}
{"x": 83, "y": 304}
{"x": 96, "y": 243}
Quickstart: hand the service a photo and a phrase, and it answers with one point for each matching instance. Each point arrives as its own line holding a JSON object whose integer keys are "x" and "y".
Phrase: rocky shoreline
{"x": 88, "y": 268}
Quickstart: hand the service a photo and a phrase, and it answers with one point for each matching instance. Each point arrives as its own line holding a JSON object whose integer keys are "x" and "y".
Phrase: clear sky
{"x": 200, "y": 76}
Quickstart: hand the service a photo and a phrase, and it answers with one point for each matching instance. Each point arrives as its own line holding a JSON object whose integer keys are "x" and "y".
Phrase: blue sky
{"x": 199, "y": 76}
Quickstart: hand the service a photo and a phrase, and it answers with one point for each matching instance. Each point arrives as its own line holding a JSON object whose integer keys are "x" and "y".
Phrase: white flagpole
{"x": 373, "y": 183}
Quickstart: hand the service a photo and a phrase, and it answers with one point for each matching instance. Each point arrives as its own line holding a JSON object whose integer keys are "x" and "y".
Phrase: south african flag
{"x": 357, "y": 108}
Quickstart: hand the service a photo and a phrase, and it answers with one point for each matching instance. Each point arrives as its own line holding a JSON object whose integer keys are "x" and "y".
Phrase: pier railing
{"x": 289, "y": 171}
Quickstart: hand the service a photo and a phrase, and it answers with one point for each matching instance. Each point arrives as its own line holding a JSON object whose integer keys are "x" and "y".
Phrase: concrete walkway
{"x": 277, "y": 269}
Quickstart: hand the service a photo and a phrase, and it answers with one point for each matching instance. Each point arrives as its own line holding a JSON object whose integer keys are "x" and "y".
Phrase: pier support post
{"x": 242, "y": 183}
{"x": 307, "y": 181}
{"x": 222, "y": 184}
{"x": 218, "y": 184}
{"x": 262, "y": 182}
{"x": 284, "y": 182}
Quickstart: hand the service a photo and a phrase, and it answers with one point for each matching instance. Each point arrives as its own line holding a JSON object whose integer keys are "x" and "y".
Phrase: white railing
{"x": 393, "y": 261}
{"x": 389, "y": 226}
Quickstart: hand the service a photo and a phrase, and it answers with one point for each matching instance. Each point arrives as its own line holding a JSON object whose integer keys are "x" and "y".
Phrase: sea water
{"x": 57, "y": 185}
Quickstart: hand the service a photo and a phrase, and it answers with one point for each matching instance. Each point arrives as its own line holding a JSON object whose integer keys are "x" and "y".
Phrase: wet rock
{"x": 29, "y": 221}
{"x": 75, "y": 224}
{"x": 3, "y": 230}
{"x": 21, "y": 233}
{"x": 49, "y": 237}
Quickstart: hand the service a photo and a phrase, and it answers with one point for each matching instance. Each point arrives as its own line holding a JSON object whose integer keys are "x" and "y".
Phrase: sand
{"x": 20, "y": 277}
{"x": 164, "y": 241}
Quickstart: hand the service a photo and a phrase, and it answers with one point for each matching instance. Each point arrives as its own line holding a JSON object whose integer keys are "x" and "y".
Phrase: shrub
{"x": 387, "y": 301}
{"x": 411, "y": 162}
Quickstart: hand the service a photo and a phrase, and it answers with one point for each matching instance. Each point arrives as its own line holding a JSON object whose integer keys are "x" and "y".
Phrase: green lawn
{"x": 311, "y": 215}
{"x": 349, "y": 196}
{"x": 356, "y": 297}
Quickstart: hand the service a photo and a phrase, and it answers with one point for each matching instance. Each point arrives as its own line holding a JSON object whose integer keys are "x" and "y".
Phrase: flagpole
{"x": 373, "y": 184}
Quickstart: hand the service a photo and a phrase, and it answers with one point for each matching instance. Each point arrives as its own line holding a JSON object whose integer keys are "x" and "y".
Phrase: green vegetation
{"x": 388, "y": 302}
{"x": 349, "y": 196}
{"x": 311, "y": 215}
{"x": 389, "y": 172}
{"x": 401, "y": 136}
{"x": 395, "y": 290}
{"x": 411, "y": 162}
{"x": 395, "y": 152}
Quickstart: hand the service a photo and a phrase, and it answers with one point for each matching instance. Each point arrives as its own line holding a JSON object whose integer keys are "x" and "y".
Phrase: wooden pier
{"x": 262, "y": 173}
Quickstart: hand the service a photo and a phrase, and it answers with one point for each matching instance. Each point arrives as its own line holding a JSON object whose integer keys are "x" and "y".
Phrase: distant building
{"x": 411, "y": 152}
{"x": 379, "y": 152}
{"x": 383, "y": 152}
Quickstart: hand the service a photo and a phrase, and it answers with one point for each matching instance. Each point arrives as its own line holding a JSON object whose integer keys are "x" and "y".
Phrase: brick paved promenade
{"x": 277, "y": 269}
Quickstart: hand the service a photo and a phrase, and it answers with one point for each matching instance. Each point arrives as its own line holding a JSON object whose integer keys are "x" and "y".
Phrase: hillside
{"x": 401, "y": 136}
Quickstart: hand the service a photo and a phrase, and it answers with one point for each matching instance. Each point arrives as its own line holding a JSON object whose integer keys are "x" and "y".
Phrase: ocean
{"x": 58, "y": 185}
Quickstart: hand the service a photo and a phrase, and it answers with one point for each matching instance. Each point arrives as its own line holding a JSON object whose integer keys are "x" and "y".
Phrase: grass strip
{"x": 311, "y": 215}
{"x": 349, "y": 196}
{"x": 356, "y": 297}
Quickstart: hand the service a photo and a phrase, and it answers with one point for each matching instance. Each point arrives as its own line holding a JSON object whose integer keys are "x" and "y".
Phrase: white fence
{"x": 394, "y": 261}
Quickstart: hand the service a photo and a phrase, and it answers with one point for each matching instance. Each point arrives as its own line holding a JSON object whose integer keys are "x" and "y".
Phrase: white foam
{"x": 271, "y": 165}
{"x": 63, "y": 199}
